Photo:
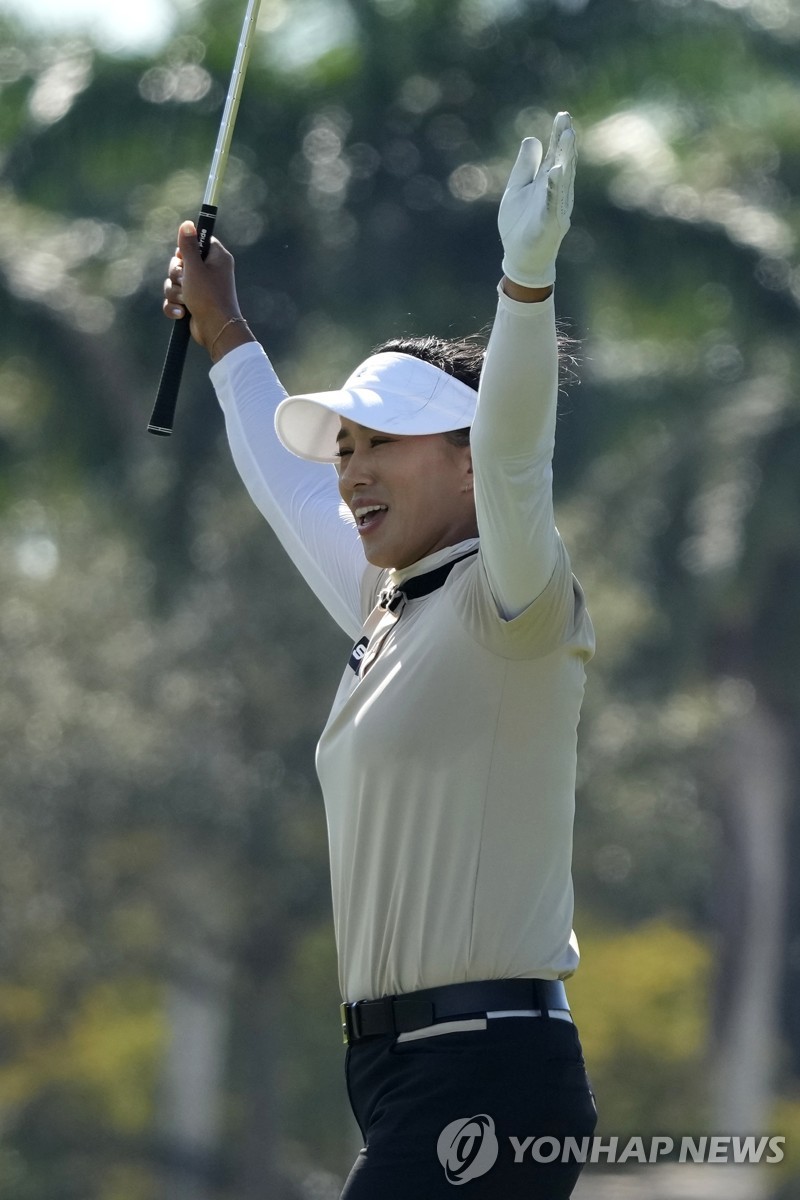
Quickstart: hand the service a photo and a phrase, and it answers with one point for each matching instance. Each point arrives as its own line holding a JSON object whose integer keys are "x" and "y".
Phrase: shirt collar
{"x": 396, "y": 577}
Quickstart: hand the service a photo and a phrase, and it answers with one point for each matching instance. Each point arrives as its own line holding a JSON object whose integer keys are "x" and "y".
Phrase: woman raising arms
{"x": 448, "y": 761}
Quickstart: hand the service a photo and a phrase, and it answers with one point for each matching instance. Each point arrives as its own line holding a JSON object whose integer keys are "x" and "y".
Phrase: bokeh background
{"x": 168, "y": 999}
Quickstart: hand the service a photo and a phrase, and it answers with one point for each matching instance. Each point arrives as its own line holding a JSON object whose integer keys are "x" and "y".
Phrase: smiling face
{"x": 410, "y": 495}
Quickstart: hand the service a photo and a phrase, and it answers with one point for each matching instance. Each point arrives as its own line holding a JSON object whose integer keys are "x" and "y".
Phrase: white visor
{"x": 393, "y": 393}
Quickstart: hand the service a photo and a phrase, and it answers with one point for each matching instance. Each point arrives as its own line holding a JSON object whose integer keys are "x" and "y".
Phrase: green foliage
{"x": 317, "y": 1121}
{"x": 108, "y": 1050}
{"x": 641, "y": 1003}
{"x": 786, "y": 1123}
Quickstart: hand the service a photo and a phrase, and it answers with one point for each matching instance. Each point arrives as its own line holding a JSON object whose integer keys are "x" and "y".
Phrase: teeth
{"x": 364, "y": 511}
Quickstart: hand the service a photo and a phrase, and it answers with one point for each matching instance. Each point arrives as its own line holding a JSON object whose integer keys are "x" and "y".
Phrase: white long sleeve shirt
{"x": 448, "y": 765}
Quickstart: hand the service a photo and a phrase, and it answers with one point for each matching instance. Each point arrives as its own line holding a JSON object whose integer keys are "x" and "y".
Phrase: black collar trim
{"x": 419, "y": 585}
{"x": 394, "y": 599}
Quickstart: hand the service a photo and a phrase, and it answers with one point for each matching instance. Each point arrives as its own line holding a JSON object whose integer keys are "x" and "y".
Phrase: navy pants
{"x": 440, "y": 1113}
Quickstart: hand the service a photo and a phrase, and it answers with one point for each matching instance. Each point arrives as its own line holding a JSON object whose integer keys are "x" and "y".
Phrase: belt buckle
{"x": 350, "y": 1023}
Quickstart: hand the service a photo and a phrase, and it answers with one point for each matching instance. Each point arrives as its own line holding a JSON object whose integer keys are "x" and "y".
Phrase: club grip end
{"x": 163, "y": 415}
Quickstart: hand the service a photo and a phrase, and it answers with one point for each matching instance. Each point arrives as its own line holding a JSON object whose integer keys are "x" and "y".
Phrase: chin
{"x": 378, "y": 559}
{"x": 387, "y": 556}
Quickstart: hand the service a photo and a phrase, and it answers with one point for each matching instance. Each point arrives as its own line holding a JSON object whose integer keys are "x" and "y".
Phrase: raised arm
{"x": 513, "y": 436}
{"x": 299, "y": 499}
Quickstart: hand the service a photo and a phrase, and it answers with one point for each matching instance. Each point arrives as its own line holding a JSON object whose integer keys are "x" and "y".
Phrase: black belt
{"x": 413, "y": 1010}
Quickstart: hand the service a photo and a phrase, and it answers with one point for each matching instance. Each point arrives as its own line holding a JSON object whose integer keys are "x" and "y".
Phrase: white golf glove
{"x": 536, "y": 206}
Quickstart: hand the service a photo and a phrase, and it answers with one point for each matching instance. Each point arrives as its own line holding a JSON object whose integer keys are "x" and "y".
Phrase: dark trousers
{"x": 438, "y": 1113}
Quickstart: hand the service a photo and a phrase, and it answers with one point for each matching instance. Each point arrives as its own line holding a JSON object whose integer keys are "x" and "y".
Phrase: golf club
{"x": 163, "y": 415}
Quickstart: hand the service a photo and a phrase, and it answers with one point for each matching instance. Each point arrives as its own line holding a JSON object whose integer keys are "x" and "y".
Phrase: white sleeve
{"x": 513, "y": 438}
{"x": 299, "y": 499}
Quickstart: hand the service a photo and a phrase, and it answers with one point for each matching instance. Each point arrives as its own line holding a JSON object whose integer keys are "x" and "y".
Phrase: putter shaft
{"x": 163, "y": 415}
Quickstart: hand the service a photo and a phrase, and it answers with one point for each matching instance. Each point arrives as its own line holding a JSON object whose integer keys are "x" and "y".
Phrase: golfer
{"x": 448, "y": 761}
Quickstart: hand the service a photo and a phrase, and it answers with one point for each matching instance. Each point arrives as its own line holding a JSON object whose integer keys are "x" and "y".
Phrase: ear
{"x": 468, "y": 474}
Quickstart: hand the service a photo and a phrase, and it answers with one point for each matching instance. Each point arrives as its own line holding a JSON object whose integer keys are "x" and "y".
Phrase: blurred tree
{"x": 646, "y": 1043}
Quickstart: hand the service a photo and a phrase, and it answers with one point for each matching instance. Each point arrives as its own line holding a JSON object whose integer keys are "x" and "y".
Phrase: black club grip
{"x": 163, "y": 415}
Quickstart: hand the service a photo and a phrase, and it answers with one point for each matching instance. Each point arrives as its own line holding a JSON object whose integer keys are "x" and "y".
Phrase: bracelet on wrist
{"x": 228, "y": 323}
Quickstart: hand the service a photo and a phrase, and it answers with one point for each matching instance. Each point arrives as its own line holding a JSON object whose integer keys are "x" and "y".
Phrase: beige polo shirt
{"x": 448, "y": 768}
{"x": 448, "y": 762}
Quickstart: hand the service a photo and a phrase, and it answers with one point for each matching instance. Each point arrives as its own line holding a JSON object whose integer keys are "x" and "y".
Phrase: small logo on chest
{"x": 359, "y": 650}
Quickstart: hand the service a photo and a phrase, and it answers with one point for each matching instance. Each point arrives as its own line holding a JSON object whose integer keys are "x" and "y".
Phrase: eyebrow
{"x": 343, "y": 433}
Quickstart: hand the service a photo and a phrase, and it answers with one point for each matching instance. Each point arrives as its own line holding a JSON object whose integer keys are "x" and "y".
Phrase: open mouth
{"x": 369, "y": 517}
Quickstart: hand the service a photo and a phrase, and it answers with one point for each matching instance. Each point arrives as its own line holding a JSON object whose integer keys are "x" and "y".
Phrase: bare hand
{"x": 207, "y": 289}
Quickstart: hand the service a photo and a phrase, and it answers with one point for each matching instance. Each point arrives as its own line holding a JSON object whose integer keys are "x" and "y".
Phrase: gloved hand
{"x": 536, "y": 206}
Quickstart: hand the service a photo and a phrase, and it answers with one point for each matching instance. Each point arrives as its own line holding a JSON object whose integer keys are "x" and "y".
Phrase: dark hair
{"x": 464, "y": 357}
